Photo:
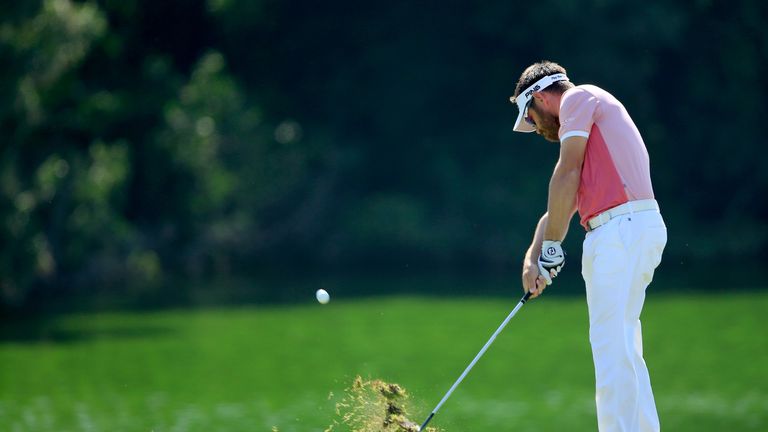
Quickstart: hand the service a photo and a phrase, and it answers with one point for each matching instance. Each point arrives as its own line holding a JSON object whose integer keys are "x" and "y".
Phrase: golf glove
{"x": 551, "y": 259}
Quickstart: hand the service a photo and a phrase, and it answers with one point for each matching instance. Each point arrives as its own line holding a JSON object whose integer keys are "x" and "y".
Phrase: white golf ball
{"x": 322, "y": 296}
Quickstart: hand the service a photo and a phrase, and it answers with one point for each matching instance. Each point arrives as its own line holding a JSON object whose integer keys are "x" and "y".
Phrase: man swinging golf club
{"x": 603, "y": 173}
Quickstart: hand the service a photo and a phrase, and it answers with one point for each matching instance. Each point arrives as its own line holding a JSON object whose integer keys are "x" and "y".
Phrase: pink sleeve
{"x": 577, "y": 113}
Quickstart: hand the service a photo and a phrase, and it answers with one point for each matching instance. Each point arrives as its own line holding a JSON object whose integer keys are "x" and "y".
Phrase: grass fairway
{"x": 249, "y": 369}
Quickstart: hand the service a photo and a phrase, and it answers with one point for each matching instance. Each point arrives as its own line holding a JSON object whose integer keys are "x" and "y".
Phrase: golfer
{"x": 603, "y": 173}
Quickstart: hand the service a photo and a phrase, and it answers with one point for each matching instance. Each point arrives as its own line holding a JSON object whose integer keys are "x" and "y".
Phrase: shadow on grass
{"x": 51, "y": 331}
{"x": 40, "y": 321}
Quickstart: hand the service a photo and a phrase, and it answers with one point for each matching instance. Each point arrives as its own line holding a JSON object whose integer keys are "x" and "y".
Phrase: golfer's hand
{"x": 533, "y": 282}
{"x": 551, "y": 260}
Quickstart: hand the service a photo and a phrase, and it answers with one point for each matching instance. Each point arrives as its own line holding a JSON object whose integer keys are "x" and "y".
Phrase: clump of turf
{"x": 374, "y": 406}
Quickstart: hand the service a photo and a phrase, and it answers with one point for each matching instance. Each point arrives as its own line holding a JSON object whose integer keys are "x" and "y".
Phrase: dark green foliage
{"x": 140, "y": 139}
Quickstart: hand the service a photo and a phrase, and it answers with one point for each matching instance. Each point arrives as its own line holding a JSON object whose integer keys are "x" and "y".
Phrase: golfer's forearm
{"x": 562, "y": 202}
{"x": 538, "y": 236}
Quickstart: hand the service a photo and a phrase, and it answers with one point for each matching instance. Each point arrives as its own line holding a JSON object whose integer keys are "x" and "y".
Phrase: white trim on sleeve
{"x": 573, "y": 134}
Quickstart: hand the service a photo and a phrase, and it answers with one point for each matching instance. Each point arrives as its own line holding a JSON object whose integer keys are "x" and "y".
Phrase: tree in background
{"x": 117, "y": 164}
{"x": 140, "y": 139}
{"x": 47, "y": 169}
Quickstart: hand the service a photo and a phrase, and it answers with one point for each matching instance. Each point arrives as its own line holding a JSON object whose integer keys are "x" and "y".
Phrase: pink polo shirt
{"x": 616, "y": 168}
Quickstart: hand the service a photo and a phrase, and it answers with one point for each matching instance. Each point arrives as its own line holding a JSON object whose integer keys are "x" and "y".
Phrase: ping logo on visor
{"x": 525, "y": 97}
{"x": 529, "y": 93}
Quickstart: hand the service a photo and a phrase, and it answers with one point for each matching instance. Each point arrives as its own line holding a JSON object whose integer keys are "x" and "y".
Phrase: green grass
{"x": 249, "y": 369}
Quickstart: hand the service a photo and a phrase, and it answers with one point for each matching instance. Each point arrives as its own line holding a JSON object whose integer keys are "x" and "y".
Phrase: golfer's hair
{"x": 538, "y": 71}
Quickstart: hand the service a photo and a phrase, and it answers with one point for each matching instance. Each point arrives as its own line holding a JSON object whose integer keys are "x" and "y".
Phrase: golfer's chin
{"x": 550, "y": 136}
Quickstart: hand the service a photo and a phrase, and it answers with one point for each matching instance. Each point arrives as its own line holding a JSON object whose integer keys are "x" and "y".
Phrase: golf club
{"x": 477, "y": 357}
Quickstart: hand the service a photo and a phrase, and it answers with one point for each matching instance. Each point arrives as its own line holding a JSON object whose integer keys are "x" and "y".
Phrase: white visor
{"x": 524, "y": 98}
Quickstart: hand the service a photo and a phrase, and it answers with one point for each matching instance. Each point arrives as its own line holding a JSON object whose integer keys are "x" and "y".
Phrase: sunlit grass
{"x": 255, "y": 368}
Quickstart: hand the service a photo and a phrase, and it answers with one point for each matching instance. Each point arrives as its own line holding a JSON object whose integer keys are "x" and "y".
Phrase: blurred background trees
{"x": 198, "y": 138}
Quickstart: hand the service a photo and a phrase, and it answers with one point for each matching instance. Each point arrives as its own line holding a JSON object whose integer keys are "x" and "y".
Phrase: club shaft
{"x": 477, "y": 357}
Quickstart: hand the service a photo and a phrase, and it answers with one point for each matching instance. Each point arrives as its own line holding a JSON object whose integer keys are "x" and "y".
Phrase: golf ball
{"x": 322, "y": 296}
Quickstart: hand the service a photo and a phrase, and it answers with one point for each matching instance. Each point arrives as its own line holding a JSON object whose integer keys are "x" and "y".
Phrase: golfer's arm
{"x": 538, "y": 236}
{"x": 563, "y": 187}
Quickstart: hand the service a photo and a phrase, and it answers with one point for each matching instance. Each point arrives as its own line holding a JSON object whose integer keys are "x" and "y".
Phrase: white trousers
{"x": 618, "y": 262}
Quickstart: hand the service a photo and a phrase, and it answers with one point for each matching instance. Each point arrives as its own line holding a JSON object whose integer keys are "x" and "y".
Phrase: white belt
{"x": 627, "y": 207}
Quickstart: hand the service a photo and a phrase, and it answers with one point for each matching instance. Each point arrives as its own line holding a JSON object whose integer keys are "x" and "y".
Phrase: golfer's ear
{"x": 542, "y": 101}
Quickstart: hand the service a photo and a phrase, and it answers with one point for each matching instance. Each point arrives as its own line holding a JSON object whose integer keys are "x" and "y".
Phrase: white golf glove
{"x": 551, "y": 259}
